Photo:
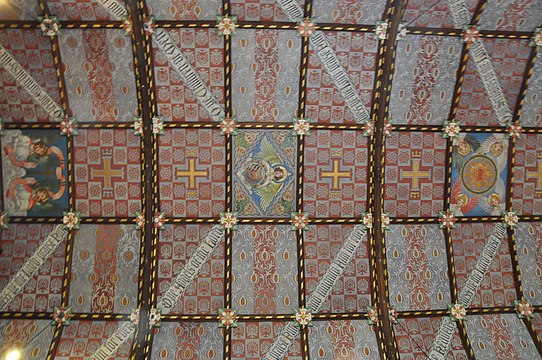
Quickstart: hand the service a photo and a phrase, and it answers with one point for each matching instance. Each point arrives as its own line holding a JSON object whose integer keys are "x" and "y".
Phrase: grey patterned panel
{"x": 263, "y": 85}
{"x": 528, "y": 239}
{"x": 281, "y": 271}
{"x": 185, "y": 9}
{"x": 175, "y": 341}
{"x": 531, "y": 113}
{"x": 502, "y": 337}
{"x": 512, "y": 15}
{"x": 417, "y": 289}
{"x": 124, "y": 291}
{"x": 424, "y": 79}
{"x": 348, "y": 11}
{"x": 17, "y": 332}
{"x": 111, "y": 84}
{"x": 357, "y": 340}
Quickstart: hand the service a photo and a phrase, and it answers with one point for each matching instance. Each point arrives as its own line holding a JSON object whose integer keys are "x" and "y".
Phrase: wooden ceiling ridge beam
{"x": 142, "y": 344}
{"x": 393, "y": 17}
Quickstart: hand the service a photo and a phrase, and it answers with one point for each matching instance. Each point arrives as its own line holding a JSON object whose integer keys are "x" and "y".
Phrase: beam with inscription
{"x": 484, "y": 65}
{"x": 115, "y": 8}
{"x": 321, "y": 292}
{"x": 189, "y": 75}
{"x": 25, "y": 80}
{"x": 445, "y": 334}
{"x": 110, "y": 347}
{"x": 188, "y": 273}
{"x": 331, "y": 63}
{"x": 179, "y": 62}
{"x": 32, "y": 265}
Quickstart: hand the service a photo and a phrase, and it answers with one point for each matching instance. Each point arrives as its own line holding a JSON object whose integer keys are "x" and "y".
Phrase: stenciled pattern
{"x": 264, "y": 76}
{"x": 78, "y": 10}
{"x": 192, "y": 173}
{"x": 511, "y": 15}
{"x": 527, "y": 198}
{"x": 81, "y": 338}
{"x": 42, "y": 291}
{"x": 107, "y": 173}
{"x": 352, "y": 291}
{"x": 423, "y": 86}
{"x": 498, "y": 286}
{"x": 531, "y": 114}
{"x": 112, "y": 252}
{"x": 423, "y": 331}
{"x": 188, "y": 340}
{"x": 529, "y": 239}
{"x": 259, "y": 10}
{"x": 335, "y": 174}
{"x": 417, "y": 267}
{"x": 342, "y": 339}
{"x": 264, "y": 269}
{"x": 184, "y": 9}
{"x": 500, "y": 336}
{"x": 415, "y": 172}
{"x": 357, "y": 53}
{"x": 21, "y": 331}
{"x": 99, "y": 75}
{"x": 348, "y": 11}
{"x": 175, "y": 100}
{"x": 33, "y": 51}
{"x": 251, "y": 340}
{"x": 205, "y": 295}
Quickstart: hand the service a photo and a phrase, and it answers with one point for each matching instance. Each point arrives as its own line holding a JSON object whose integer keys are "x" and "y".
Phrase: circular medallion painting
{"x": 479, "y": 174}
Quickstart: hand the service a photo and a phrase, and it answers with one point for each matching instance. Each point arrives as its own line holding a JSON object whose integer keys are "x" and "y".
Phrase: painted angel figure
{"x": 264, "y": 174}
{"x": 461, "y": 203}
{"x": 497, "y": 146}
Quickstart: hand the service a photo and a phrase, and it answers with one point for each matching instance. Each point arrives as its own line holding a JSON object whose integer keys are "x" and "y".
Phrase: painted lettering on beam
{"x": 331, "y": 64}
{"x": 115, "y": 8}
{"x": 32, "y": 265}
{"x": 321, "y": 292}
{"x": 110, "y": 347}
{"x": 190, "y": 77}
{"x": 23, "y": 78}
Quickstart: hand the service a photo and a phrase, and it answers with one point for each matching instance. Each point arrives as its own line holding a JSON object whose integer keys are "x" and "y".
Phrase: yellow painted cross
{"x": 536, "y": 175}
{"x": 107, "y": 173}
{"x": 415, "y": 174}
{"x": 192, "y": 173}
{"x": 336, "y": 174}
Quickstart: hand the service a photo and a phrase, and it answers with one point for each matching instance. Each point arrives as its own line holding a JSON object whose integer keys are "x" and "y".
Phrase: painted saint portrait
{"x": 34, "y": 173}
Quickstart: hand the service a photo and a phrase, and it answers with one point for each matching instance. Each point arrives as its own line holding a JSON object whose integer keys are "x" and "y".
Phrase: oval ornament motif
{"x": 479, "y": 174}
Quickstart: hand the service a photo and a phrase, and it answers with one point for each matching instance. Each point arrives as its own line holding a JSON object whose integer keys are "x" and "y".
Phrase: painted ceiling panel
{"x": 185, "y": 185}
{"x": 416, "y": 337}
{"x": 425, "y": 77}
{"x": 33, "y": 51}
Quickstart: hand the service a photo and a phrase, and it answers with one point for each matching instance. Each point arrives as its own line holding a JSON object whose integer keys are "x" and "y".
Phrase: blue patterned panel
{"x": 417, "y": 267}
{"x": 343, "y": 339}
{"x": 500, "y": 337}
{"x": 424, "y": 79}
{"x": 175, "y": 341}
{"x": 529, "y": 243}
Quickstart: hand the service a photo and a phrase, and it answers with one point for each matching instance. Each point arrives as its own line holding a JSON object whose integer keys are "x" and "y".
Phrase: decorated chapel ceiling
{"x": 260, "y": 179}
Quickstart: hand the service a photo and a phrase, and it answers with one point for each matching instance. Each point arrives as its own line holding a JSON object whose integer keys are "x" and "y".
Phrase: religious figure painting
{"x": 34, "y": 173}
{"x": 479, "y": 174}
{"x": 264, "y": 173}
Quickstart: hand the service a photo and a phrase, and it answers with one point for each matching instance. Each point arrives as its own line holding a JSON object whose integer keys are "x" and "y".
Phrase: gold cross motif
{"x": 336, "y": 174}
{"x": 536, "y": 175}
{"x": 415, "y": 174}
{"x": 107, "y": 173}
{"x": 192, "y": 174}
